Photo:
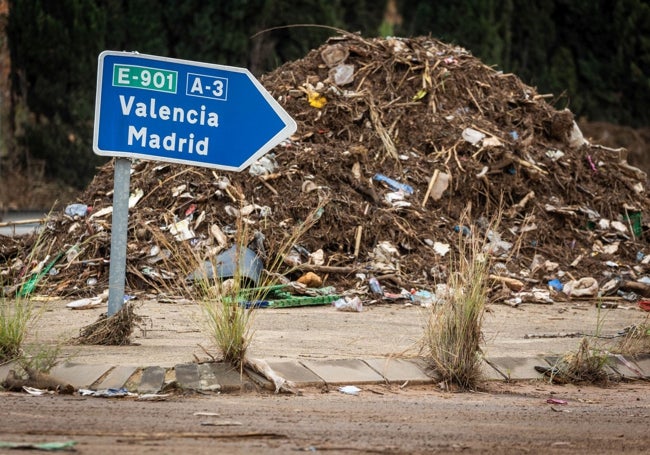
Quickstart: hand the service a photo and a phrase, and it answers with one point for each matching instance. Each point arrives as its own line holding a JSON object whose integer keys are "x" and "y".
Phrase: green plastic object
{"x": 303, "y": 301}
{"x": 276, "y": 296}
{"x": 31, "y": 284}
{"x": 635, "y": 219}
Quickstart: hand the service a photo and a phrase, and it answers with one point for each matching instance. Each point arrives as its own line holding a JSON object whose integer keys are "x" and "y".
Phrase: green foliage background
{"x": 593, "y": 54}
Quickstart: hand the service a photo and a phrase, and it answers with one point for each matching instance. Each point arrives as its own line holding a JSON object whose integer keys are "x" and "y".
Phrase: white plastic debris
{"x": 350, "y": 390}
{"x": 345, "y": 304}
{"x": 385, "y": 252}
{"x": 576, "y": 139}
{"x": 181, "y": 230}
{"x": 135, "y": 197}
{"x": 178, "y": 190}
{"x": 37, "y": 392}
{"x": 620, "y": 227}
{"x": 472, "y": 136}
{"x": 584, "y": 287}
{"x": 103, "y": 212}
{"x": 342, "y": 74}
{"x": 554, "y": 154}
{"x": 317, "y": 257}
{"x": 441, "y": 248}
{"x": 84, "y": 304}
{"x": 264, "y": 166}
{"x": 492, "y": 142}
{"x": 440, "y": 185}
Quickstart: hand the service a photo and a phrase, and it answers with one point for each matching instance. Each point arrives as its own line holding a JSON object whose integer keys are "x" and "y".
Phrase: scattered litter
{"x": 266, "y": 165}
{"x": 262, "y": 367}
{"x": 472, "y": 136}
{"x": 153, "y": 397}
{"x": 423, "y": 298}
{"x": 46, "y": 446}
{"x": 347, "y": 304}
{"x": 350, "y": 390}
{"x": 311, "y": 280}
{"x": 554, "y": 155}
{"x": 316, "y": 100}
{"x": 441, "y": 248}
{"x": 181, "y": 230}
{"x": 37, "y": 392}
{"x": 464, "y": 230}
{"x": 89, "y": 302}
{"x": 334, "y": 54}
{"x": 78, "y": 210}
{"x": 135, "y": 197}
{"x": 556, "y": 285}
{"x": 394, "y": 184}
{"x": 107, "y": 393}
{"x": 437, "y": 185}
{"x": 342, "y": 74}
{"x": 557, "y": 401}
{"x": 375, "y": 287}
{"x": 225, "y": 266}
{"x": 584, "y": 287}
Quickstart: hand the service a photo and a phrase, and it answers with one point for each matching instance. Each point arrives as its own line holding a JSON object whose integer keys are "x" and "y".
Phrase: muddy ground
{"x": 509, "y": 418}
{"x": 499, "y": 418}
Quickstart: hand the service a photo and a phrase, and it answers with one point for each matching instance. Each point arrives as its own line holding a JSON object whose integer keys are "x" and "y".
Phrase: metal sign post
{"x": 117, "y": 272}
{"x": 177, "y": 111}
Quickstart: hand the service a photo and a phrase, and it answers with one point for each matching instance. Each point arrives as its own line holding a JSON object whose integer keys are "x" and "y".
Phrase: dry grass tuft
{"x": 453, "y": 334}
{"x": 111, "y": 331}
{"x": 636, "y": 340}
{"x": 15, "y": 317}
{"x": 586, "y": 365}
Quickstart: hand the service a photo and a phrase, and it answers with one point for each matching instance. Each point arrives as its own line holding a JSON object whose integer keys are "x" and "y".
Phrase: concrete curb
{"x": 220, "y": 377}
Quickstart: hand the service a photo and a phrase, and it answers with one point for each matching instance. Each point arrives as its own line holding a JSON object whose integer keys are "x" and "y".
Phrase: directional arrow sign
{"x": 184, "y": 112}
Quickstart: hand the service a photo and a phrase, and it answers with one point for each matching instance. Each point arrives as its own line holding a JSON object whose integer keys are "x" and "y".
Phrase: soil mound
{"x": 396, "y": 137}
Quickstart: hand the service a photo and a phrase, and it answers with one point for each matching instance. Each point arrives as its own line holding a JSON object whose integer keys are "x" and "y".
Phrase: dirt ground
{"x": 507, "y": 418}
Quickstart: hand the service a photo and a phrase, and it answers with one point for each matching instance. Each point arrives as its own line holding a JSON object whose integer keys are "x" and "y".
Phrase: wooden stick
{"x": 432, "y": 182}
{"x": 266, "y": 184}
{"x": 357, "y": 241}
{"x": 326, "y": 268}
{"x": 512, "y": 283}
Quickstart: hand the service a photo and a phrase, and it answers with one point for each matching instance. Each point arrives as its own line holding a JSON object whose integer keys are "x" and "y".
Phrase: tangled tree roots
{"x": 111, "y": 331}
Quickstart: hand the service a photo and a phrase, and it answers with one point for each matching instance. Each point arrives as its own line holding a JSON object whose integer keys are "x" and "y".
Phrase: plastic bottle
{"x": 375, "y": 287}
{"x": 421, "y": 297}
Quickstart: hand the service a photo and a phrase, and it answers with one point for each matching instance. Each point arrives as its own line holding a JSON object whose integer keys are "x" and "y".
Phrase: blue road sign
{"x": 184, "y": 112}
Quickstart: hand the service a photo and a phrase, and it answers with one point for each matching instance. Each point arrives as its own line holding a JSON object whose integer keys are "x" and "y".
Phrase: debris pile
{"x": 396, "y": 137}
